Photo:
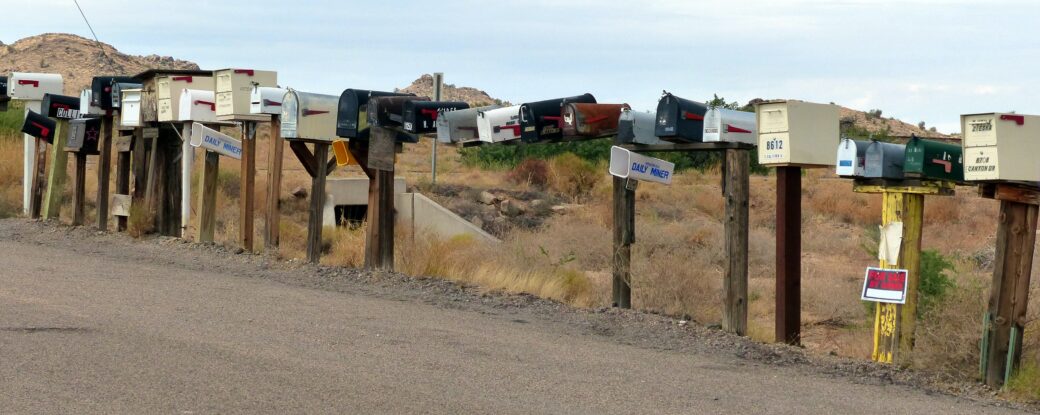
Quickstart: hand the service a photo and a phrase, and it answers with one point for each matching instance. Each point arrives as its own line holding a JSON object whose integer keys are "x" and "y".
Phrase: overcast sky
{"x": 917, "y": 60}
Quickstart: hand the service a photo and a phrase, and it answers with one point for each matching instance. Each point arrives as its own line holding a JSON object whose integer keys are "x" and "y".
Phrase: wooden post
{"x": 314, "y": 221}
{"x": 79, "y": 191}
{"x": 788, "y": 254}
{"x": 169, "y": 188}
{"x": 379, "y": 241}
{"x": 272, "y": 219}
{"x": 58, "y": 172}
{"x": 104, "y": 167}
{"x": 123, "y": 179}
{"x": 1009, "y": 293}
{"x": 247, "y": 201}
{"x": 735, "y": 283}
{"x": 624, "y": 236}
{"x": 38, "y": 178}
{"x": 141, "y": 161}
{"x": 208, "y": 198}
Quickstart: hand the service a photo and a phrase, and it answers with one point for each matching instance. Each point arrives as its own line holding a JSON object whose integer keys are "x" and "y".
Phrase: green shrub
{"x": 934, "y": 282}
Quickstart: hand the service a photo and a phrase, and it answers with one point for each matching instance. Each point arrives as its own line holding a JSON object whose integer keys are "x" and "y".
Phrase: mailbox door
{"x": 497, "y": 125}
{"x": 130, "y": 113}
{"x": 197, "y": 105}
{"x": 680, "y": 119}
{"x": 591, "y": 120}
{"x": 309, "y": 116}
{"x": 884, "y": 160}
{"x": 460, "y": 126}
{"x": 290, "y": 113}
{"x": 352, "y": 111}
{"x": 84, "y": 134}
{"x": 101, "y": 89}
{"x": 851, "y": 157}
{"x": 60, "y": 106}
{"x": 726, "y": 125}
{"x": 933, "y": 159}
{"x": 420, "y": 117}
{"x": 32, "y": 86}
{"x": 636, "y": 127}
{"x": 542, "y": 120}
{"x": 233, "y": 87}
{"x": 266, "y": 100}
{"x": 39, "y": 126}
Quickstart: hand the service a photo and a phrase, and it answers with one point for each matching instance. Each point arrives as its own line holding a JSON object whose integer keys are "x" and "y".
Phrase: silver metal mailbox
{"x": 728, "y": 125}
{"x": 307, "y": 116}
{"x": 851, "y": 157}
{"x": 635, "y": 127}
{"x": 460, "y": 126}
{"x": 884, "y": 160}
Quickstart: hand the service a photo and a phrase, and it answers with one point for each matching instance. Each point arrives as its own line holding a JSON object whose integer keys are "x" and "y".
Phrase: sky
{"x": 916, "y": 60}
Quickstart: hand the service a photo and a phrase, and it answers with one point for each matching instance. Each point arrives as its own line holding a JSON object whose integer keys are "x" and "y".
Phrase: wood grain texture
{"x": 735, "y": 278}
{"x": 207, "y": 205}
{"x": 247, "y": 202}
{"x": 58, "y": 173}
{"x": 788, "y": 254}
{"x": 79, "y": 190}
{"x": 104, "y": 170}
{"x": 273, "y": 214}
{"x": 317, "y": 205}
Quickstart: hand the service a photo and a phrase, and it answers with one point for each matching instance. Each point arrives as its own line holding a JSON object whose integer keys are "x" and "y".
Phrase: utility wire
{"x": 102, "y": 48}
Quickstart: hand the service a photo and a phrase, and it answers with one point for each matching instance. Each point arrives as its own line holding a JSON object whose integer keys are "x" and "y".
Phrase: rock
{"x": 477, "y": 221}
{"x": 683, "y": 323}
{"x": 487, "y": 198}
{"x": 511, "y": 208}
{"x": 299, "y": 192}
{"x": 565, "y": 207}
{"x": 537, "y": 204}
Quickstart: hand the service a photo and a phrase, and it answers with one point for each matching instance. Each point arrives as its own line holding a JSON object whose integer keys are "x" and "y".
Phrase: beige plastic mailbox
{"x": 234, "y": 88}
{"x": 1001, "y": 146}
{"x": 197, "y": 105}
{"x": 130, "y": 103}
{"x": 307, "y": 116}
{"x": 168, "y": 90}
{"x": 797, "y": 133}
{"x": 32, "y": 86}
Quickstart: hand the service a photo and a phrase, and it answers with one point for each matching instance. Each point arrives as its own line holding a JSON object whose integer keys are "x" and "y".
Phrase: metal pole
{"x": 438, "y": 82}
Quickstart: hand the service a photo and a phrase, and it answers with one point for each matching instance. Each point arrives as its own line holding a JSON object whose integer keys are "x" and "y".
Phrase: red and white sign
{"x": 885, "y": 285}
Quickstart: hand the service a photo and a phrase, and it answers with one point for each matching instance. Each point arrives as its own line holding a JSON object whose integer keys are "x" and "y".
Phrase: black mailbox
{"x": 388, "y": 111}
{"x": 680, "y": 119}
{"x": 420, "y": 117}
{"x": 84, "y": 134}
{"x": 101, "y": 89}
{"x": 60, "y": 106}
{"x": 352, "y": 113}
{"x": 3, "y": 93}
{"x": 39, "y": 126}
{"x": 542, "y": 120}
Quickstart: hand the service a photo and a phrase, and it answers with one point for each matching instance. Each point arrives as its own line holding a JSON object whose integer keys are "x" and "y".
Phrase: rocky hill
{"x": 77, "y": 59}
{"x": 876, "y": 123}
{"x": 472, "y": 96}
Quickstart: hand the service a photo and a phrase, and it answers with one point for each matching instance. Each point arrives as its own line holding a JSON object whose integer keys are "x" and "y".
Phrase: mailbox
{"x": 721, "y": 124}
{"x": 308, "y": 116}
{"x": 1001, "y": 146}
{"x": 637, "y": 128}
{"x": 3, "y": 93}
{"x": 851, "y": 157}
{"x": 117, "y": 91}
{"x": 541, "y": 120}
{"x": 169, "y": 89}
{"x": 933, "y": 160}
{"x": 460, "y": 126}
{"x": 101, "y": 89}
{"x": 86, "y": 106}
{"x": 420, "y": 117}
{"x": 500, "y": 124}
{"x": 680, "y": 119}
{"x": 796, "y": 133}
{"x": 39, "y": 126}
{"x": 60, "y": 106}
{"x": 32, "y": 86}
{"x": 266, "y": 100}
{"x": 84, "y": 134}
{"x": 388, "y": 111}
{"x": 197, "y": 105}
{"x": 130, "y": 113}
{"x": 591, "y": 120}
{"x": 884, "y": 160}
{"x": 352, "y": 112}
{"x": 234, "y": 88}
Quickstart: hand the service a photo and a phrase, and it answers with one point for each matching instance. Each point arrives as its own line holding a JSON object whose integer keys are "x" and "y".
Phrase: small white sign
{"x": 885, "y": 285}
{"x": 215, "y": 141}
{"x": 626, "y": 164}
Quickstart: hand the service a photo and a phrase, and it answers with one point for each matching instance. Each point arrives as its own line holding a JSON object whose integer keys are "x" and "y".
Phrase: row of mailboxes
{"x": 234, "y": 88}
{"x": 460, "y": 126}
{"x": 542, "y": 120}
{"x": 32, "y": 86}
{"x": 102, "y": 91}
{"x": 919, "y": 158}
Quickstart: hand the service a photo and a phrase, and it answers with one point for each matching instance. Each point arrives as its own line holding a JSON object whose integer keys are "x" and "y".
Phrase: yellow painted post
{"x": 58, "y": 172}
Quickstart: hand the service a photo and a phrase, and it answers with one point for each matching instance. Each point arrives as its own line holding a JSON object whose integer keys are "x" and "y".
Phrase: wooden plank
{"x": 924, "y": 187}
{"x": 171, "y": 192}
{"x": 381, "y": 148}
{"x": 788, "y": 254}
{"x": 894, "y": 324}
{"x": 317, "y": 207}
{"x": 58, "y": 173}
{"x": 104, "y": 168}
{"x": 624, "y": 235}
{"x": 152, "y": 175}
{"x": 379, "y": 241}
{"x": 207, "y": 209}
{"x": 1018, "y": 194}
{"x": 38, "y": 179}
{"x": 120, "y": 205}
{"x": 141, "y": 158}
{"x": 247, "y": 202}
{"x": 305, "y": 156}
{"x": 123, "y": 174}
{"x": 1009, "y": 292}
{"x": 710, "y": 146}
{"x": 79, "y": 190}
{"x": 272, "y": 218}
{"x": 735, "y": 283}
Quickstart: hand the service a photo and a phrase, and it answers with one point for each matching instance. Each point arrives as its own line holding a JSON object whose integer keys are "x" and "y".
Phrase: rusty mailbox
{"x": 851, "y": 157}
{"x": 420, "y": 117}
{"x": 1001, "y": 146}
{"x": 591, "y": 120}
{"x": 680, "y": 120}
{"x": 60, "y": 106}
{"x": 39, "y": 126}
{"x": 460, "y": 126}
{"x": 884, "y": 160}
{"x": 498, "y": 125}
{"x": 84, "y": 134}
{"x": 541, "y": 120}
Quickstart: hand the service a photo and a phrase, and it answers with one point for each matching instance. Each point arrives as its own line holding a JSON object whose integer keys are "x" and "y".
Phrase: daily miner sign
{"x": 215, "y": 141}
{"x": 626, "y": 164}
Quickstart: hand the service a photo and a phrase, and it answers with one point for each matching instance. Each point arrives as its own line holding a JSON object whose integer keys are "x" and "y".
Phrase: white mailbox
{"x": 851, "y": 157}
{"x": 308, "y": 116}
{"x": 497, "y": 125}
{"x": 130, "y": 112}
{"x": 796, "y": 133}
{"x": 116, "y": 91}
{"x": 85, "y": 106}
{"x": 1001, "y": 146}
{"x": 169, "y": 89}
{"x": 266, "y": 100}
{"x": 234, "y": 88}
{"x": 197, "y": 105}
{"x": 32, "y": 86}
{"x": 728, "y": 125}
{"x": 460, "y": 126}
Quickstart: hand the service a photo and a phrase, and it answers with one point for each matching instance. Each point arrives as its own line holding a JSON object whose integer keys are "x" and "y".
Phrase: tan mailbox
{"x": 796, "y": 133}
{"x": 307, "y": 116}
{"x": 1000, "y": 146}
{"x": 170, "y": 88}
{"x": 32, "y": 86}
{"x": 234, "y": 87}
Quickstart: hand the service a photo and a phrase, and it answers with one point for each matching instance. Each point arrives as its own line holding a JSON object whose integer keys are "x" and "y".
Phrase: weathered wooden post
{"x": 792, "y": 135}
{"x": 61, "y": 108}
{"x": 123, "y": 144}
{"x": 624, "y": 235}
{"x": 379, "y": 241}
{"x": 102, "y": 97}
{"x": 268, "y": 101}
{"x": 30, "y": 87}
{"x": 215, "y": 144}
{"x": 735, "y": 288}
{"x": 42, "y": 129}
{"x": 83, "y": 137}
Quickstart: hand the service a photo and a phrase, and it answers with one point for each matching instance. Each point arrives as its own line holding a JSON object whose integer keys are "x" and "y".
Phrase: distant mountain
{"x": 475, "y": 97}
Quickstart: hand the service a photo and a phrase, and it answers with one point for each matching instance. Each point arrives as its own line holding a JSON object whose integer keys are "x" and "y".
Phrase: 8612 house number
{"x": 775, "y": 144}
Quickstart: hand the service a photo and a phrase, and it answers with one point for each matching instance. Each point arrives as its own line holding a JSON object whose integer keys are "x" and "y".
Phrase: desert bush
{"x": 141, "y": 221}
{"x": 572, "y": 176}
{"x": 934, "y": 283}
{"x": 534, "y": 172}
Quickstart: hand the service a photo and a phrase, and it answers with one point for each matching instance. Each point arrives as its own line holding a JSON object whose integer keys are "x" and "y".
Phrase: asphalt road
{"x": 86, "y": 327}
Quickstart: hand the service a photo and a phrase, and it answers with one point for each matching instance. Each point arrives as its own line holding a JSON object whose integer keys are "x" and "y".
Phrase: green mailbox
{"x": 933, "y": 159}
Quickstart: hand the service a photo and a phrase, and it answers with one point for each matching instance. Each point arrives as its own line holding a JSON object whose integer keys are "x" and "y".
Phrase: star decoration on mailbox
{"x": 91, "y": 135}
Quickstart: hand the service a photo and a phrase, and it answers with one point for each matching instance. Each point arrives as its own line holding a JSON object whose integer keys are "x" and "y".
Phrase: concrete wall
{"x": 349, "y": 191}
